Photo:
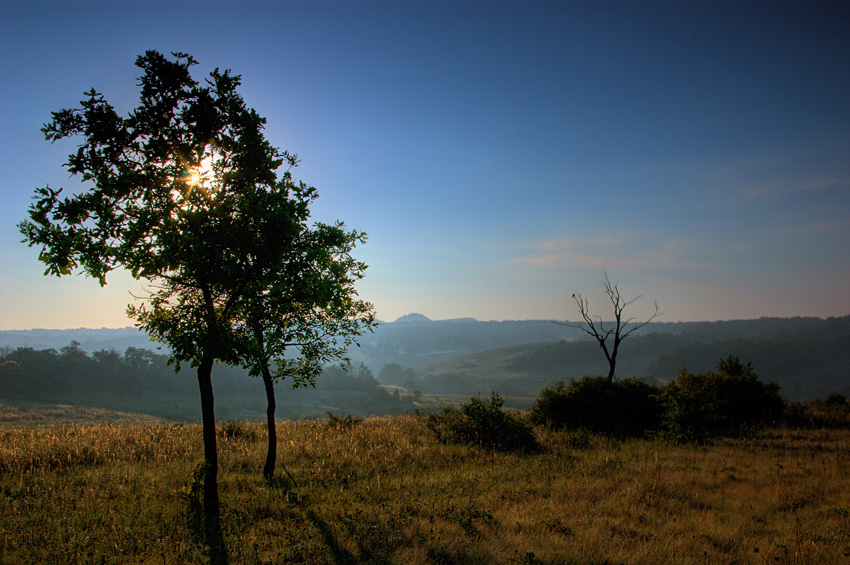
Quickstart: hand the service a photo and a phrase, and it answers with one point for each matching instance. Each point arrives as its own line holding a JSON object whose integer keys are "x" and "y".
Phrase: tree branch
{"x": 594, "y": 325}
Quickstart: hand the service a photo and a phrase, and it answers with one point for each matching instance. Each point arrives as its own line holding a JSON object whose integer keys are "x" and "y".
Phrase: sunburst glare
{"x": 198, "y": 176}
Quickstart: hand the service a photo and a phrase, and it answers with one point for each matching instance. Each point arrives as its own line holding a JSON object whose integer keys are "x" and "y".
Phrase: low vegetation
{"x": 384, "y": 490}
{"x": 727, "y": 402}
{"x": 483, "y": 424}
{"x": 626, "y": 407}
{"x": 693, "y": 407}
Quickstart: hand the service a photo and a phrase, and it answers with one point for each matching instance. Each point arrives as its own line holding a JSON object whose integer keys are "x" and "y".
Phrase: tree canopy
{"x": 185, "y": 193}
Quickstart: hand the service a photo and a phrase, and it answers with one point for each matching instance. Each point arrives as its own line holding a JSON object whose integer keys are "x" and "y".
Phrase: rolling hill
{"x": 808, "y": 360}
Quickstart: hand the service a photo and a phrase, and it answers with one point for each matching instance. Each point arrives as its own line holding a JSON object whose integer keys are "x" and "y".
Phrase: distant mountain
{"x": 412, "y": 318}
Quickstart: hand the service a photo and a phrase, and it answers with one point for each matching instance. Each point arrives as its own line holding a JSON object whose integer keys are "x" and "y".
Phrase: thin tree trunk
{"x": 612, "y": 362}
{"x": 208, "y": 419}
{"x": 212, "y": 510}
{"x": 611, "y": 357}
{"x": 271, "y": 456}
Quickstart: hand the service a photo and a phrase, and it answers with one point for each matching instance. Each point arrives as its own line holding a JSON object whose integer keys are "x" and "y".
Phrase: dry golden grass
{"x": 383, "y": 491}
{"x": 24, "y": 414}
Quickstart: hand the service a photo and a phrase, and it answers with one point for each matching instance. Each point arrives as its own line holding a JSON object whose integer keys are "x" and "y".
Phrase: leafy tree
{"x": 302, "y": 298}
{"x": 75, "y": 362}
{"x": 343, "y": 377}
{"x": 10, "y": 374}
{"x": 140, "y": 359}
{"x": 619, "y": 329}
{"x": 29, "y": 370}
{"x": 183, "y": 192}
{"x": 395, "y": 374}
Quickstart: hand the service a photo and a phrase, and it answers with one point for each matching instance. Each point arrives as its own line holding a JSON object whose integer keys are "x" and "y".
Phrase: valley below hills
{"x": 416, "y": 362}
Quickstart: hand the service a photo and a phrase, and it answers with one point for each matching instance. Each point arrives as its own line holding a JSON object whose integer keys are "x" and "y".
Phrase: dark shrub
{"x": 832, "y": 412}
{"x": 835, "y": 402}
{"x": 482, "y": 423}
{"x": 727, "y": 402}
{"x": 627, "y": 407}
{"x": 237, "y": 430}
{"x": 345, "y": 423}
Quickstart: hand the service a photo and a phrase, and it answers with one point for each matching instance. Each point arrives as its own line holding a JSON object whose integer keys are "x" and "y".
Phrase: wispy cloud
{"x": 754, "y": 179}
{"x": 618, "y": 251}
{"x": 747, "y": 166}
{"x": 785, "y": 188}
{"x": 560, "y": 244}
{"x": 822, "y": 227}
{"x": 819, "y": 184}
{"x": 600, "y": 262}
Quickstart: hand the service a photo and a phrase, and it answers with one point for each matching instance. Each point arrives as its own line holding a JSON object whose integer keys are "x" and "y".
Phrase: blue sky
{"x": 499, "y": 155}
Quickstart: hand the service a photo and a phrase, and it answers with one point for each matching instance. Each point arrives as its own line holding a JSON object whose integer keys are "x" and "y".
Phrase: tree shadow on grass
{"x": 204, "y": 515}
{"x": 215, "y": 539}
{"x": 205, "y": 526}
{"x": 341, "y": 555}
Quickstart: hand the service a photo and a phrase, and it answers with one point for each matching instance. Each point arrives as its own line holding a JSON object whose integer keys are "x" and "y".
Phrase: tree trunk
{"x": 212, "y": 511}
{"x": 208, "y": 419}
{"x": 611, "y": 357}
{"x": 612, "y": 362}
{"x": 271, "y": 456}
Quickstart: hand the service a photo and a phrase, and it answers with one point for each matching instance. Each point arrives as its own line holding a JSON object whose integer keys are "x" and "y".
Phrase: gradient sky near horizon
{"x": 499, "y": 154}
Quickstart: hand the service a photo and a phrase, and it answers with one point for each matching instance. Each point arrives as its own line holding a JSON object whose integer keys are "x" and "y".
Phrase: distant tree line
{"x": 806, "y": 361}
{"x": 25, "y": 370}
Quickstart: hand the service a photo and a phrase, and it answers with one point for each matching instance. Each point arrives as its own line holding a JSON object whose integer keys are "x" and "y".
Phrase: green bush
{"x": 627, "y": 407}
{"x": 484, "y": 424}
{"x": 725, "y": 402}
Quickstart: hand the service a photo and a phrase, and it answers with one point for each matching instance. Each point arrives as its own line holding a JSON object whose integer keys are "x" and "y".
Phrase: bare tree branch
{"x": 595, "y": 327}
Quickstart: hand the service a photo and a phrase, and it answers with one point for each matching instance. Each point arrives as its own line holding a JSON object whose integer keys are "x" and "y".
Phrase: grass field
{"x": 30, "y": 414}
{"x": 381, "y": 490}
{"x": 186, "y": 407}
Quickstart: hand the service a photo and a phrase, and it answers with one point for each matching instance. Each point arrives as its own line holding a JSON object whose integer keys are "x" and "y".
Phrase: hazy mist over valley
{"x": 416, "y": 361}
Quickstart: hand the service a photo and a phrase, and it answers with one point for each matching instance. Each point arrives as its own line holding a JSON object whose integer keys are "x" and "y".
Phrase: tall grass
{"x": 383, "y": 490}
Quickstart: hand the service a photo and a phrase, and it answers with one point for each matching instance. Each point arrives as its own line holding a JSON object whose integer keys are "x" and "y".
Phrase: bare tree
{"x": 601, "y": 331}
